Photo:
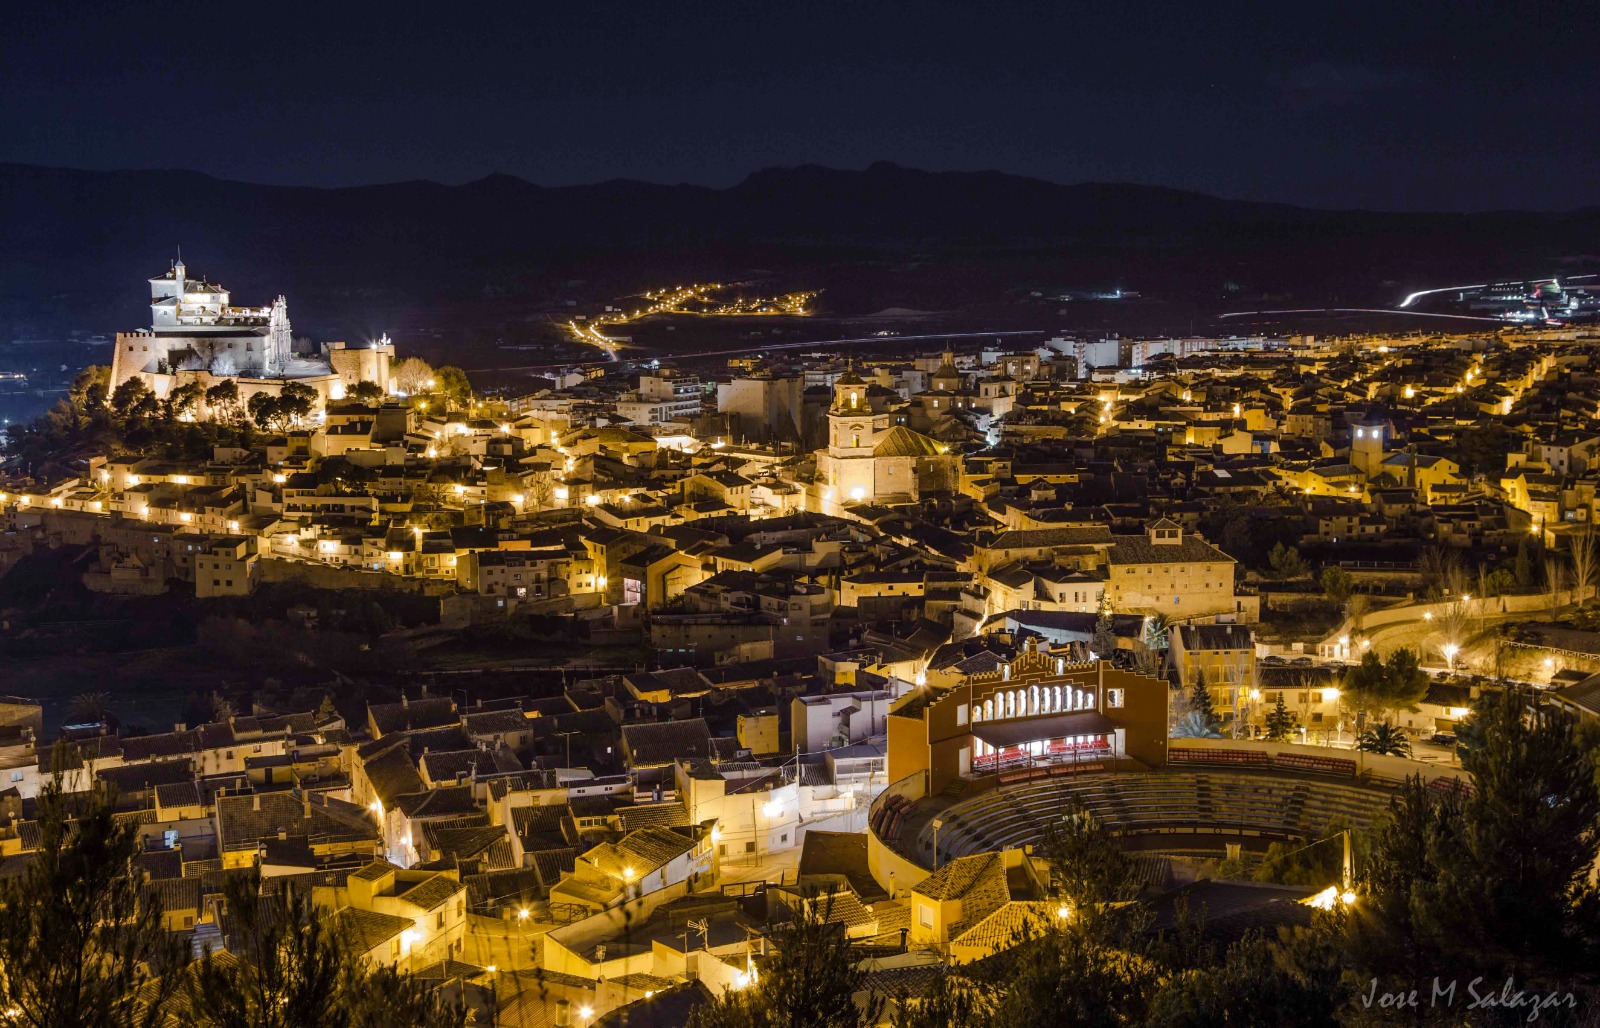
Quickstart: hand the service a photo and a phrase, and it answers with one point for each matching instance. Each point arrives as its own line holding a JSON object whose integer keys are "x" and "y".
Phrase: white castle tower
{"x": 195, "y": 327}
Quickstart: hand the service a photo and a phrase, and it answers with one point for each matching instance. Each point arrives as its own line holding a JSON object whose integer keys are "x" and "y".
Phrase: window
{"x": 749, "y": 847}
{"x": 925, "y": 915}
{"x": 440, "y": 921}
{"x": 1113, "y": 698}
{"x": 961, "y": 714}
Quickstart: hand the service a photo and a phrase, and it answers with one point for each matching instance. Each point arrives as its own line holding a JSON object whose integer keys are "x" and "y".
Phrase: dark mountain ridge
{"x": 77, "y": 244}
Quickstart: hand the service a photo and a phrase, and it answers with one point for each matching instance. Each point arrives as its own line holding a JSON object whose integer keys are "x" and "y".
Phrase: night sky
{"x": 1389, "y": 105}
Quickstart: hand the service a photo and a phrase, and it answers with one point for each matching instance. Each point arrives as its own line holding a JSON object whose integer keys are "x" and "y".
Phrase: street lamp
{"x": 1450, "y": 650}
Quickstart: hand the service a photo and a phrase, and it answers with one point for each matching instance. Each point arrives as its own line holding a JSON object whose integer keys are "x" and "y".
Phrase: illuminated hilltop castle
{"x": 197, "y": 334}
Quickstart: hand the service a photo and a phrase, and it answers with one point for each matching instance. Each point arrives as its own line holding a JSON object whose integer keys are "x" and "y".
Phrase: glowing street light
{"x": 1450, "y": 650}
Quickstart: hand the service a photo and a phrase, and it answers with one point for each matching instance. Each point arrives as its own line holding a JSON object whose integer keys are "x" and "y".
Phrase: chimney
{"x": 405, "y": 704}
{"x": 563, "y": 1014}
{"x": 255, "y": 802}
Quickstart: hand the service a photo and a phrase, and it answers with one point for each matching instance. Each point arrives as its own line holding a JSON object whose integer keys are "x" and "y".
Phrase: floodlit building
{"x": 198, "y": 335}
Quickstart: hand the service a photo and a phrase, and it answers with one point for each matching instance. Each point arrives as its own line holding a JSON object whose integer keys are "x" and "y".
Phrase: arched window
{"x": 1011, "y": 704}
{"x": 988, "y": 710}
{"x": 1033, "y": 699}
{"x": 1005, "y": 672}
{"x": 1057, "y": 691}
{"x": 1061, "y": 665}
{"x": 1077, "y": 699}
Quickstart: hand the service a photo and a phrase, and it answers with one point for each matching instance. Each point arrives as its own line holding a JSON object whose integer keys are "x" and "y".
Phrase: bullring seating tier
{"x": 1210, "y": 803}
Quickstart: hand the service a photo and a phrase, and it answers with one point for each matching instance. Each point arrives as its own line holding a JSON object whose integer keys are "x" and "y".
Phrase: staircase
{"x": 1294, "y": 809}
{"x": 957, "y": 789}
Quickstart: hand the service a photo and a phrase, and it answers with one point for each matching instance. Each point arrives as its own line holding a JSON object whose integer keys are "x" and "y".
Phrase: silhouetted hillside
{"x": 78, "y": 244}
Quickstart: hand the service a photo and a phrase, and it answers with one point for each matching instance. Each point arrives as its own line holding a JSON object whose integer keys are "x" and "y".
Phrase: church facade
{"x": 871, "y": 459}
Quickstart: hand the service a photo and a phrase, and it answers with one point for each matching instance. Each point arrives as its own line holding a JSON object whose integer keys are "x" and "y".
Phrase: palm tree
{"x": 1157, "y": 628}
{"x": 1385, "y": 740}
{"x": 89, "y": 708}
{"x": 1194, "y": 725}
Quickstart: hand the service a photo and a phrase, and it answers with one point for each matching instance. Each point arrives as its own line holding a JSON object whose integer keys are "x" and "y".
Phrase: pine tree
{"x": 1281, "y": 722}
{"x": 1200, "y": 703}
{"x": 1525, "y": 569}
{"x": 1250, "y": 986}
{"x": 1285, "y": 561}
{"x": 1074, "y": 975}
{"x": 1087, "y": 866}
{"x": 81, "y": 943}
{"x": 945, "y": 1004}
{"x": 811, "y": 979}
{"x": 285, "y": 967}
{"x": 1515, "y": 892}
{"x": 1103, "y": 642}
{"x": 1393, "y": 933}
